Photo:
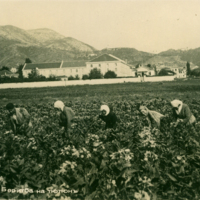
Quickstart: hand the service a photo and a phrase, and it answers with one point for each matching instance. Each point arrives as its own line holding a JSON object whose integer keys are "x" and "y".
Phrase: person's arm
{"x": 26, "y": 115}
{"x": 101, "y": 117}
{"x": 175, "y": 115}
{"x": 187, "y": 115}
{"x": 67, "y": 119}
{"x": 149, "y": 121}
{"x": 114, "y": 120}
{"x": 13, "y": 125}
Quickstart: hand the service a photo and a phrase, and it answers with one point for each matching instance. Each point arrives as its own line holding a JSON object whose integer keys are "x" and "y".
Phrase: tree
{"x": 5, "y": 68}
{"x": 77, "y": 77}
{"x": 85, "y": 77}
{"x": 195, "y": 72}
{"x": 70, "y": 78}
{"x": 188, "y": 68}
{"x": 52, "y": 77}
{"x": 95, "y": 74}
{"x": 34, "y": 74}
{"x": 149, "y": 65}
{"x": 19, "y": 71}
{"x": 137, "y": 66}
{"x": 155, "y": 69}
{"x": 28, "y": 60}
{"x": 164, "y": 72}
{"x": 110, "y": 74}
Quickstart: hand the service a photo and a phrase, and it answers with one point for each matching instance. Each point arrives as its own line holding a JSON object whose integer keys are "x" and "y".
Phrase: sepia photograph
{"x": 100, "y": 99}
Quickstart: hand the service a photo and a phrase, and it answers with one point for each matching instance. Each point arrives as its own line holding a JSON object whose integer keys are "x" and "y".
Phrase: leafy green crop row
{"x": 131, "y": 162}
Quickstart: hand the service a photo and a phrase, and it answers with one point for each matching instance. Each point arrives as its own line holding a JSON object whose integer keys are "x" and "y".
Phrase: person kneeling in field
{"x": 153, "y": 117}
{"x": 108, "y": 116}
{"x": 20, "y": 120}
{"x": 182, "y": 113}
{"x": 66, "y": 117}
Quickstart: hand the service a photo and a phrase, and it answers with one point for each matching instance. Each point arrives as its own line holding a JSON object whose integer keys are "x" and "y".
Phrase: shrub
{"x": 95, "y": 74}
{"x": 71, "y": 78}
{"x": 110, "y": 74}
{"x": 85, "y": 77}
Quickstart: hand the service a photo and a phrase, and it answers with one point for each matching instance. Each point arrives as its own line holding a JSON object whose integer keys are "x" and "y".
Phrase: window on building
{"x": 150, "y": 73}
{"x": 77, "y": 70}
{"x": 108, "y": 64}
{"x": 116, "y": 64}
{"x": 70, "y": 70}
{"x": 91, "y": 65}
{"x": 115, "y": 69}
{"x": 99, "y": 65}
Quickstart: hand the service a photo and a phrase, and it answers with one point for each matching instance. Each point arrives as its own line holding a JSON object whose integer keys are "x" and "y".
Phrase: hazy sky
{"x": 147, "y": 25}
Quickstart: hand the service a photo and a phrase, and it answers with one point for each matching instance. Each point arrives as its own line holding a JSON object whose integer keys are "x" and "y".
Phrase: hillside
{"x": 191, "y": 55}
{"x": 69, "y": 44}
{"x": 131, "y": 55}
{"x": 45, "y": 34}
{"x": 15, "y": 35}
{"x": 40, "y": 45}
{"x": 46, "y": 45}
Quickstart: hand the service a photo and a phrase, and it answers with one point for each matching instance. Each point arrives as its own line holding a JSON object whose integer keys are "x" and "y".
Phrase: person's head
{"x": 59, "y": 105}
{"x": 11, "y": 108}
{"x": 105, "y": 110}
{"x": 176, "y": 104}
{"x": 144, "y": 110}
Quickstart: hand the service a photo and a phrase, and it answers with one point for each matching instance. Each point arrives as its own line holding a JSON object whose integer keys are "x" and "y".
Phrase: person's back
{"x": 20, "y": 119}
{"x": 185, "y": 114}
{"x": 109, "y": 117}
{"x": 66, "y": 117}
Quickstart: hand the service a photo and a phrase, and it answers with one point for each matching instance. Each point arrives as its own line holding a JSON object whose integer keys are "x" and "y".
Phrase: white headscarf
{"x": 59, "y": 104}
{"x": 155, "y": 115}
{"x": 175, "y": 103}
{"x": 106, "y": 108}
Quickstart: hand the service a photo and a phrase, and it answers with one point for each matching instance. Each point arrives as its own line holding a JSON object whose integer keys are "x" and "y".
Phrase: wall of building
{"x": 70, "y": 71}
{"x": 119, "y": 68}
{"x": 180, "y": 73}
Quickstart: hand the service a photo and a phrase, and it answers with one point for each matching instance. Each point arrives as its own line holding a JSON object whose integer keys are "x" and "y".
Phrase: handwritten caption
{"x": 28, "y": 190}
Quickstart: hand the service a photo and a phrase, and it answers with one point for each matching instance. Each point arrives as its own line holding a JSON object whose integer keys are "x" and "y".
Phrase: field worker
{"x": 66, "y": 117}
{"x": 108, "y": 116}
{"x": 153, "y": 117}
{"x": 20, "y": 120}
{"x": 182, "y": 112}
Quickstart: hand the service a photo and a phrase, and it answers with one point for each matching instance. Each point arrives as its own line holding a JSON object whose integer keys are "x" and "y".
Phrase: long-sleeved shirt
{"x": 66, "y": 117}
{"x": 20, "y": 117}
{"x": 185, "y": 114}
{"x": 110, "y": 120}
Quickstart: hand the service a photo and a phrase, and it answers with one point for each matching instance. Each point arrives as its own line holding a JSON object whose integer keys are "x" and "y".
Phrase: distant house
{"x": 179, "y": 72}
{"x": 108, "y": 62}
{"x": 59, "y": 69}
{"x": 145, "y": 70}
{"x": 6, "y": 73}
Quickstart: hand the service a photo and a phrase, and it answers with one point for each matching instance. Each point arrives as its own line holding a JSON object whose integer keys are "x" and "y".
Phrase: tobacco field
{"x": 130, "y": 162}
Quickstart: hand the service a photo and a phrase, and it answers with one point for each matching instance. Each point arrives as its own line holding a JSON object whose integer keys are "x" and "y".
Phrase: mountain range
{"x": 46, "y": 45}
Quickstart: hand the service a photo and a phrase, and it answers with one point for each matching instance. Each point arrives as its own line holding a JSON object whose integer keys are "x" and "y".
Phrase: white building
{"x": 59, "y": 69}
{"x": 180, "y": 72}
{"x": 104, "y": 62}
{"x": 108, "y": 62}
{"x": 145, "y": 70}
